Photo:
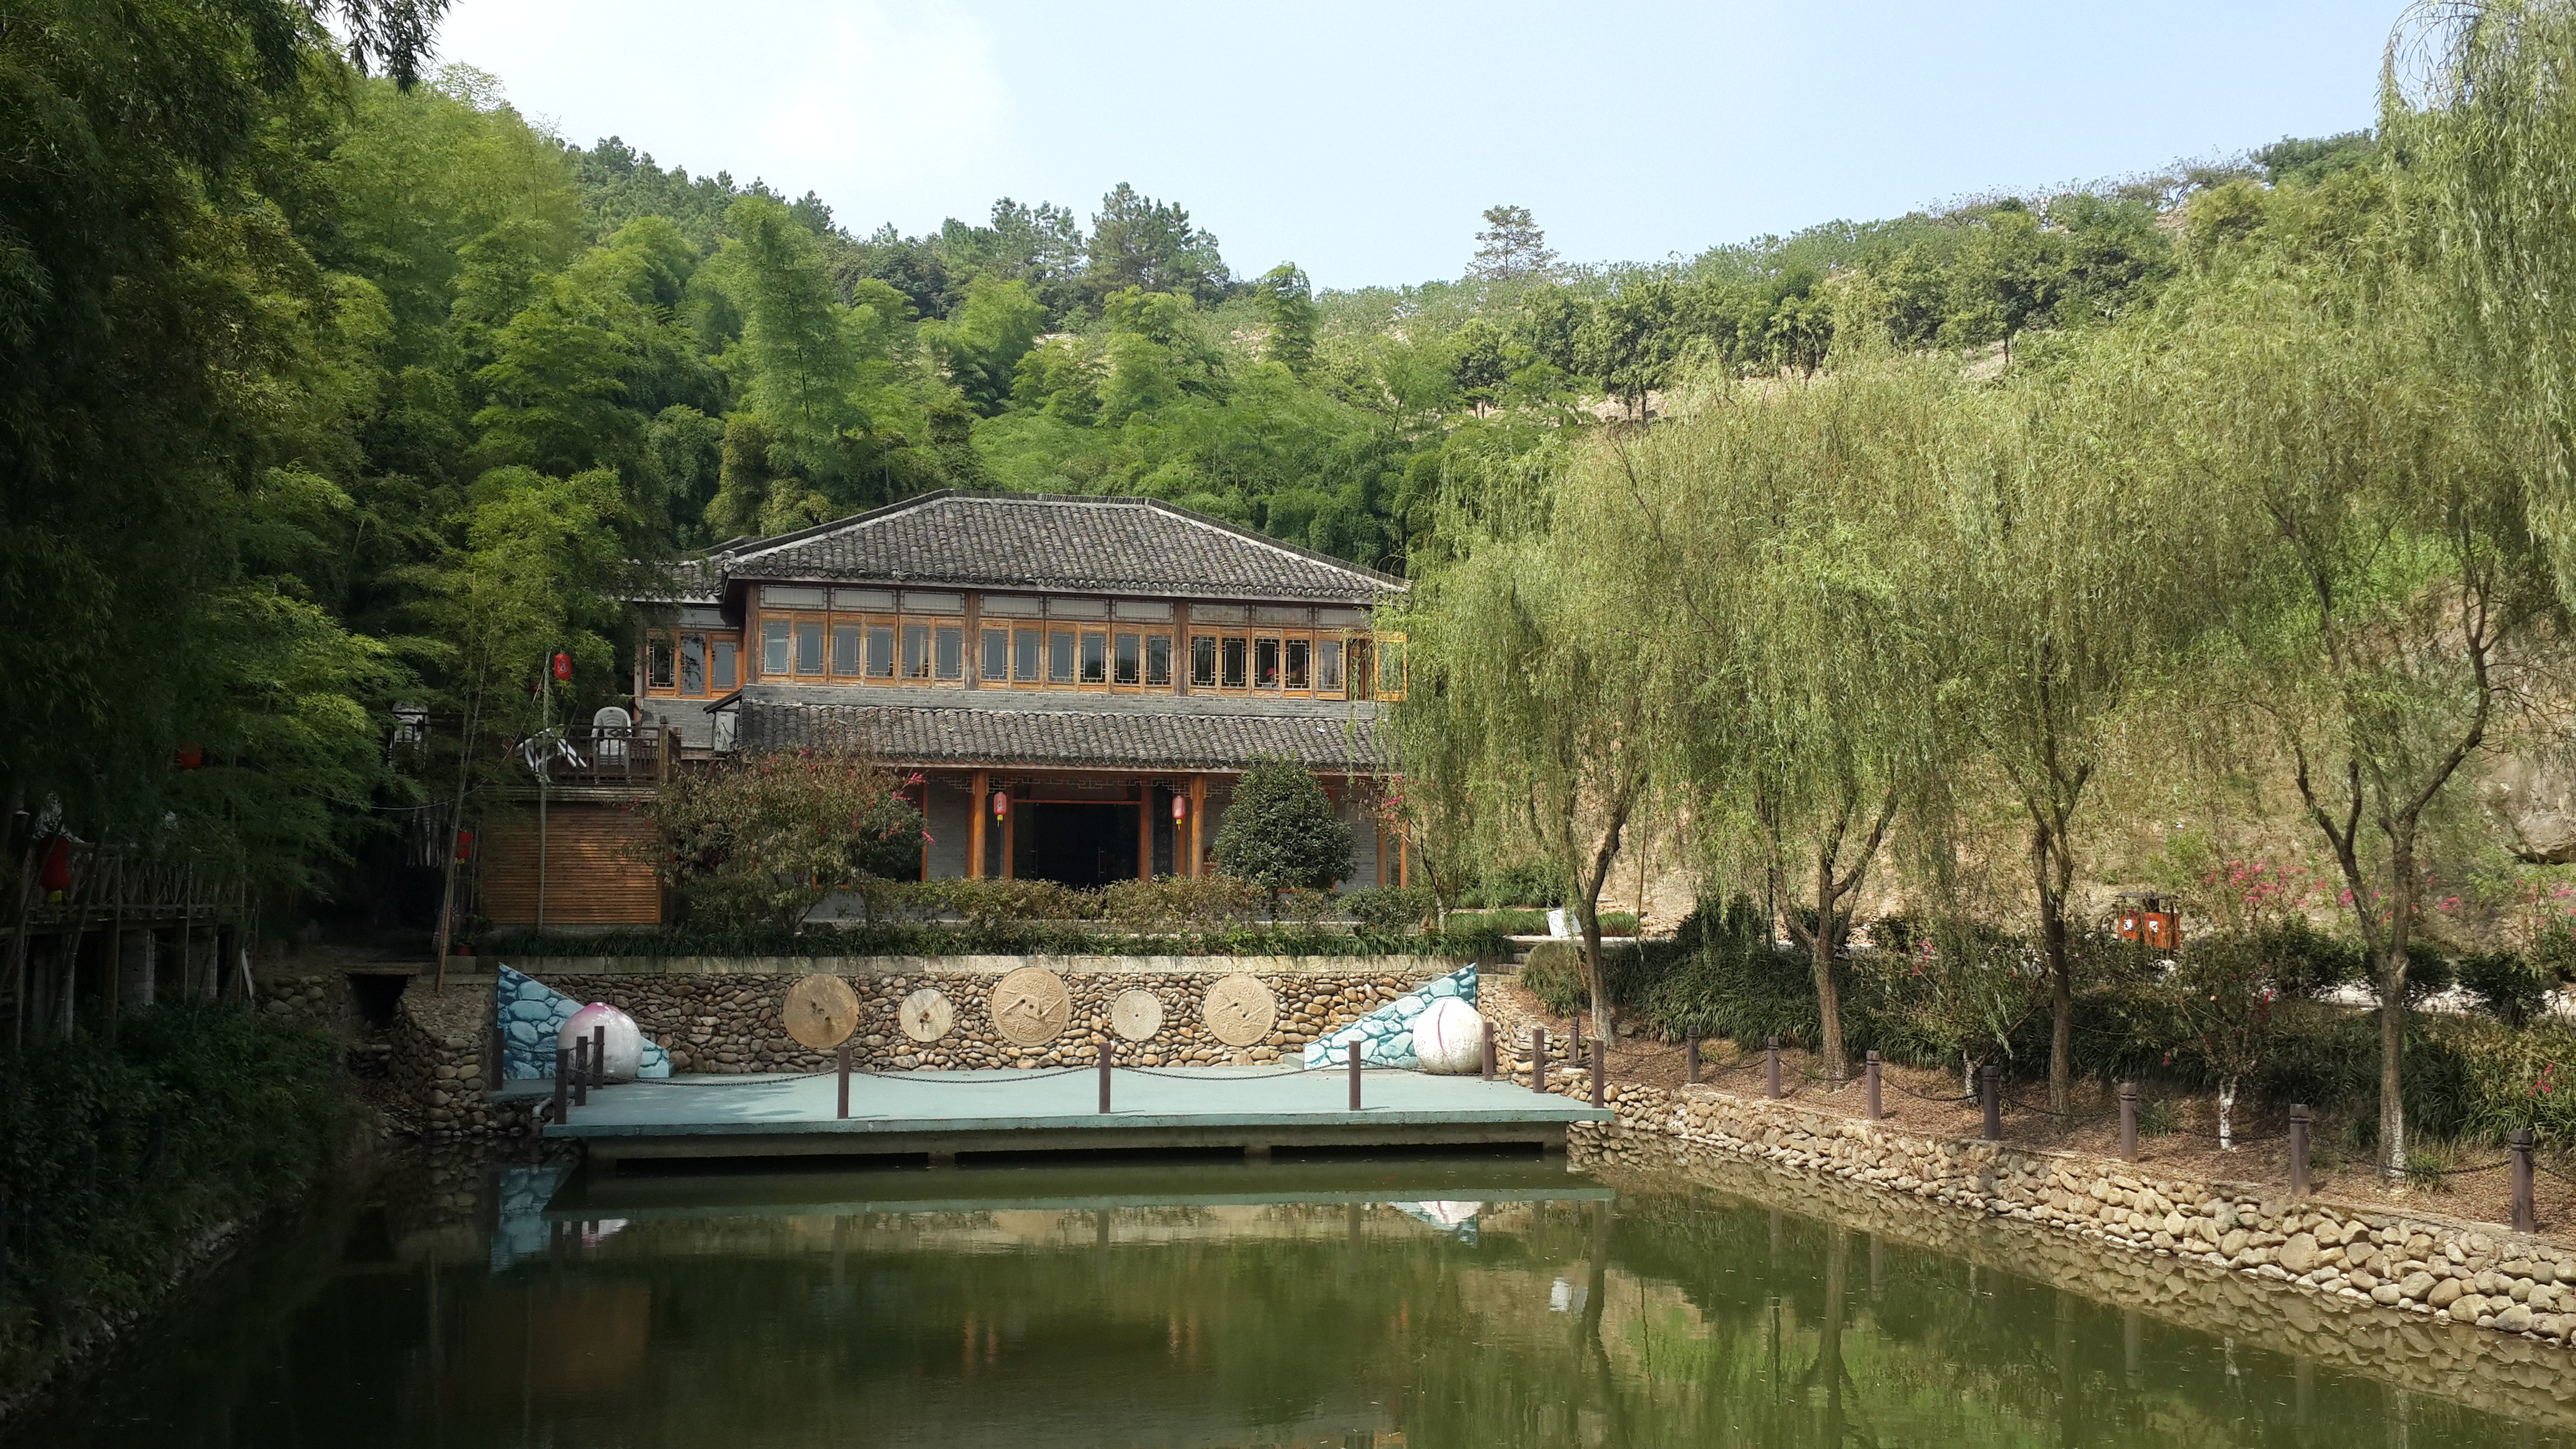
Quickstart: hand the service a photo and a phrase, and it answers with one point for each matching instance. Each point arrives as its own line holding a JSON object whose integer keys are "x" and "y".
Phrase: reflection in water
{"x": 1382, "y": 1303}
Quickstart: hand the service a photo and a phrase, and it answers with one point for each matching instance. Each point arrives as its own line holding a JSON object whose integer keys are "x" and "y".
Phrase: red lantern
{"x": 54, "y": 872}
{"x": 191, "y": 755}
{"x": 1001, "y": 803}
{"x": 563, "y": 665}
{"x": 464, "y": 846}
{"x": 1180, "y": 807}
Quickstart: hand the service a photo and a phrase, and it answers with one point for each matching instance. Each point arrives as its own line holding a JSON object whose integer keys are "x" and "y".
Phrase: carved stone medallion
{"x": 1136, "y": 1014}
{"x": 1030, "y": 1006}
{"x": 821, "y": 1012}
{"x": 925, "y": 1015}
{"x": 1239, "y": 1010}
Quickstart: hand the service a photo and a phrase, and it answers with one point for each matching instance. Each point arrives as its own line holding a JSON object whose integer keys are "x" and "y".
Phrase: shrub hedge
{"x": 2468, "y": 1076}
{"x": 1006, "y": 938}
{"x": 119, "y": 1156}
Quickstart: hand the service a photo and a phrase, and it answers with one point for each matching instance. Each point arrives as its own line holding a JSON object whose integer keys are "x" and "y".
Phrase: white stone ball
{"x": 1449, "y": 1037}
{"x": 624, "y": 1045}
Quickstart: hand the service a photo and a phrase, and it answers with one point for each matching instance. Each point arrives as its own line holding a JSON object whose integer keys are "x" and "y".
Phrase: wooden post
{"x": 1990, "y": 1082}
{"x": 2298, "y": 1151}
{"x": 581, "y": 1071}
{"x": 1538, "y": 1059}
{"x": 1487, "y": 1064}
{"x": 2524, "y": 1219}
{"x": 1010, "y": 836}
{"x": 599, "y": 1056}
{"x": 1600, "y": 1072}
{"x": 1355, "y": 1076}
{"x": 843, "y": 1111}
{"x": 980, "y": 810}
{"x": 1690, "y": 1056}
{"x": 2128, "y": 1121}
{"x": 1108, "y": 1063}
{"x": 1144, "y": 829}
{"x": 1198, "y": 818}
{"x": 563, "y": 1084}
{"x": 1876, "y": 1112}
{"x": 1771, "y": 1068}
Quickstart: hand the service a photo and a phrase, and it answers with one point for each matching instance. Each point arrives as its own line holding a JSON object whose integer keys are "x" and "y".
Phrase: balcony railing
{"x": 610, "y": 755}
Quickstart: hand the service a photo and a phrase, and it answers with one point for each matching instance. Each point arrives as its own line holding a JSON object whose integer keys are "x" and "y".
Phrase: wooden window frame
{"x": 780, "y": 629}
{"x": 1083, "y": 658}
{"x": 855, "y": 629}
{"x": 661, "y": 663}
{"x": 1034, "y": 630}
{"x": 1213, "y": 663}
{"x": 821, "y": 624}
{"x": 1164, "y": 639}
{"x": 989, "y": 635}
{"x": 1242, "y": 683}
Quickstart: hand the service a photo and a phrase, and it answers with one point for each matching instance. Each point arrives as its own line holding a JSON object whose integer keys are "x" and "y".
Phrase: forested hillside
{"x": 330, "y": 391}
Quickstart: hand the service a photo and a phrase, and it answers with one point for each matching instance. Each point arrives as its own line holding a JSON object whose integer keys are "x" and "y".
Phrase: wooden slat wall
{"x": 594, "y": 877}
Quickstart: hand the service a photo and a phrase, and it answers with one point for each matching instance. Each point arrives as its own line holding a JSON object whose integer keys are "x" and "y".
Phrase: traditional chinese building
{"x": 1078, "y": 681}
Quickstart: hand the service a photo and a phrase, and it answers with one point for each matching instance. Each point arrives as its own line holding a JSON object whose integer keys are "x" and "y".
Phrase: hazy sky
{"x": 1362, "y": 140}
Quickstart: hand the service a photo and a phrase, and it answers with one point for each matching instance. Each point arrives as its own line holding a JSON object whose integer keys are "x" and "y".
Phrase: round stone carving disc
{"x": 926, "y": 1015}
{"x": 821, "y": 1012}
{"x": 1136, "y": 1014}
{"x": 1030, "y": 1006}
{"x": 1239, "y": 1010}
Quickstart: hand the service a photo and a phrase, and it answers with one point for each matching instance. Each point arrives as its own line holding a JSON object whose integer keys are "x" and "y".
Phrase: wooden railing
{"x": 615, "y": 755}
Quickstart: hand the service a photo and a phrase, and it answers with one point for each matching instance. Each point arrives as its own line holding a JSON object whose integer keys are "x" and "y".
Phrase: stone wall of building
{"x": 438, "y": 1054}
{"x": 731, "y": 1021}
{"x": 2367, "y": 1257}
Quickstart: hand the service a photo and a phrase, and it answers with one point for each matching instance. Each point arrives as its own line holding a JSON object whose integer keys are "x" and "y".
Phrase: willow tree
{"x": 2388, "y": 592}
{"x": 2065, "y": 591}
{"x": 1767, "y": 537}
{"x": 1524, "y": 693}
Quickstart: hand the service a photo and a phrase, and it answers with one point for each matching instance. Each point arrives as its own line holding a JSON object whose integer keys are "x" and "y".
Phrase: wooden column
{"x": 1010, "y": 840}
{"x": 1144, "y": 829}
{"x": 1198, "y": 820}
{"x": 977, "y": 809}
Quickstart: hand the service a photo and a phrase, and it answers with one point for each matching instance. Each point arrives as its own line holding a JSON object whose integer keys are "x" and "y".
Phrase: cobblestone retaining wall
{"x": 2399, "y": 1267}
{"x": 438, "y": 1049}
{"x": 731, "y": 1022}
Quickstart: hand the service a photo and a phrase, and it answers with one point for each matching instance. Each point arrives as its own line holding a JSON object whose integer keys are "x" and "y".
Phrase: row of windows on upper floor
{"x": 904, "y": 650}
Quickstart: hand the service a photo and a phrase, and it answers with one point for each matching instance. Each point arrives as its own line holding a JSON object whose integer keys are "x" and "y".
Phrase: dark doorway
{"x": 1079, "y": 845}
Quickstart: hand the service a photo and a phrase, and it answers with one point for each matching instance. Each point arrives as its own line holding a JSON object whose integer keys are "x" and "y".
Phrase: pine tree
{"x": 1512, "y": 247}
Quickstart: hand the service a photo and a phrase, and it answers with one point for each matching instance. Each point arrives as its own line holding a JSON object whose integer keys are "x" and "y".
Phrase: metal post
{"x": 1876, "y": 1112}
{"x": 1538, "y": 1059}
{"x": 2299, "y": 1151}
{"x": 1771, "y": 1068}
{"x": 563, "y": 1081}
{"x": 1600, "y": 1072}
{"x": 2128, "y": 1121}
{"x": 2524, "y": 1219}
{"x": 581, "y": 1071}
{"x": 844, "y": 1063}
{"x": 1990, "y": 1085}
{"x": 1108, "y": 1061}
{"x": 1488, "y": 1063}
{"x": 1690, "y": 1056}
{"x": 599, "y": 1055}
{"x": 1355, "y": 1076}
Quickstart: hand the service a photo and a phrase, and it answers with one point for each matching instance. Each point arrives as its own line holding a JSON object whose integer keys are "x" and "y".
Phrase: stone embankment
{"x": 2362, "y": 1257}
{"x": 437, "y": 1053}
{"x": 732, "y": 1022}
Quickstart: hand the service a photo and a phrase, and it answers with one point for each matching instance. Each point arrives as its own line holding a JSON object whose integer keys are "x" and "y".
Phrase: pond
{"x": 1419, "y": 1302}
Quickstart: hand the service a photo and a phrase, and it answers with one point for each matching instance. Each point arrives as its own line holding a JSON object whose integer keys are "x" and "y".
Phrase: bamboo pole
{"x": 18, "y": 948}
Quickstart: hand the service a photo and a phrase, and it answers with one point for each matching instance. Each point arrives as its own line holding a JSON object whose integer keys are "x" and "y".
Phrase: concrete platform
{"x": 942, "y": 1116}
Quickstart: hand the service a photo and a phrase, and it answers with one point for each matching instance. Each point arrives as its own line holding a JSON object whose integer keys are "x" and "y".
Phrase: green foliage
{"x": 753, "y": 840}
{"x": 1279, "y": 830}
{"x": 1006, "y": 936}
{"x": 1393, "y": 910}
{"x": 249, "y": 1111}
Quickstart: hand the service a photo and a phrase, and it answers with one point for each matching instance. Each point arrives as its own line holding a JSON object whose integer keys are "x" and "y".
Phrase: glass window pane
{"x": 809, "y": 647}
{"x": 880, "y": 651}
{"x": 1328, "y": 665}
{"x": 1158, "y": 659}
{"x": 916, "y": 651}
{"x": 1203, "y": 660}
{"x": 657, "y": 664}
{"x": 1060, "y": 656}
{"x": 1129, "y": 661}
{"x": 773, "y": 646}
{"x": 996, "y": 664}
{"x": 1238, "y": 663}
{"x": 1095, "y": 658}
{"x": 1265, "y": 663}
{"x": 693, "y": 664}
{"x": 1294, "y": 671}
{"x": 1029, "y": 648}
{"x": 1359, "y": 669}
{"x": 950, "y": 650}
{"x": 725, "y": 681}
{"x": 845, "y": 649}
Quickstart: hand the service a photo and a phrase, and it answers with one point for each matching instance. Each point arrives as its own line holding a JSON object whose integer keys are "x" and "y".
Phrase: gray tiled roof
{"x": 906, "y": 735}
{"x": 1057, "y": 543}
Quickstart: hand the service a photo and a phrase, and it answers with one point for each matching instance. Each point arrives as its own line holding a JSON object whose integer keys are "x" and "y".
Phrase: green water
{"x": 1421, "y": 1303}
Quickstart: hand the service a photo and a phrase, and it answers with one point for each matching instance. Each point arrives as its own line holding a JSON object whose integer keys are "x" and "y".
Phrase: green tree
{"x": 1288, "y": 315}
{"x": 1150, "y": 246}
{"x": 1280, "y": 832}
{"x": 1511, "y": 248}
{"x": 981, "y": 346}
